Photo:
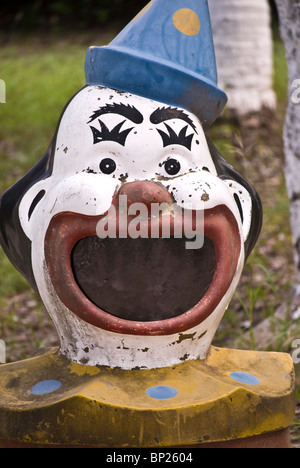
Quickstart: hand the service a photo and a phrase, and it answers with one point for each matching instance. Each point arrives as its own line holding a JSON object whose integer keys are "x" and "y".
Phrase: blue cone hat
{"x": 166, "y": 54}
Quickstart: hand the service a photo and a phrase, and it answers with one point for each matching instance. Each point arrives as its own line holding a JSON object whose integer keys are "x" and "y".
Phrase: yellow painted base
{"x": 192, "y": 403}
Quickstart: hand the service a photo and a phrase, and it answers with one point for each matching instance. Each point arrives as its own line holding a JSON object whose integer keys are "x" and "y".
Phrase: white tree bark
{"x": 289, "y": 14}
{"x": 244, "y": 53}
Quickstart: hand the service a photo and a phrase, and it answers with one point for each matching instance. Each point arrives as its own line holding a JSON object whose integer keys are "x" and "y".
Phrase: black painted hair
{"x": 226, "y": 171}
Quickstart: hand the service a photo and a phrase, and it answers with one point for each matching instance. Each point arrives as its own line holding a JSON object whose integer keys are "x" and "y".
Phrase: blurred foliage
{"x": 58, "y": 15}
{"x": 26, "y": 15}
{"x": 275, "y": 18}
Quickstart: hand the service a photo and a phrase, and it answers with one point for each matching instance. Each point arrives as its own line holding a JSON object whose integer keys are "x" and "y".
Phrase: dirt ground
{"x": 256, "y": 150}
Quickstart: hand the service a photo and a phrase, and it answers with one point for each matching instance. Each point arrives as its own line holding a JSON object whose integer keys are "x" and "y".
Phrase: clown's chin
{"x": 142, "y": 286}
{"x": 143, "y": 280}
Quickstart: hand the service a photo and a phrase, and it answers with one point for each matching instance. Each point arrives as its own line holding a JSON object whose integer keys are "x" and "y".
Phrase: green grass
{"x": 41, "y": 78}
{"x": 39, "y": 81}
{"x": 280, "y": 78}
{"x": 263, "y": 288}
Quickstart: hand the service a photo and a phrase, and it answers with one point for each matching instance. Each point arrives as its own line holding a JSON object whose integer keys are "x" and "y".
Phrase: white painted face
{"x": 113, "y": 301}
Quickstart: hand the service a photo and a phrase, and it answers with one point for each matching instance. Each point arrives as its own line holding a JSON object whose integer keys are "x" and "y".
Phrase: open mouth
{"x": 143, "y": 280}
{"x": 141, "y": 286}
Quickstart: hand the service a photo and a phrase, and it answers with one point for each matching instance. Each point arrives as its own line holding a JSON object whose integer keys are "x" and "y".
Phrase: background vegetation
{"x": 59, "y": 15}
{"x": 42, "y": 63}
{"x": 43, "y": 70}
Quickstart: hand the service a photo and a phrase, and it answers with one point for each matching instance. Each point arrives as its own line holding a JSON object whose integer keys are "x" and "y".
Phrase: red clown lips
{"x": 144, "y": 286}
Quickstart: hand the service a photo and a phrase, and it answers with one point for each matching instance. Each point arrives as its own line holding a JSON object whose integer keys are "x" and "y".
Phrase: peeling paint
{"x": 82, "y": 369}
{"x": 186, "y": 336}
{"x": 205, "y": 197}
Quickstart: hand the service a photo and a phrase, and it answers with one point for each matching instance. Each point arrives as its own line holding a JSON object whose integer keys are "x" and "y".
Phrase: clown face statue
{"x": 132, "y": 228}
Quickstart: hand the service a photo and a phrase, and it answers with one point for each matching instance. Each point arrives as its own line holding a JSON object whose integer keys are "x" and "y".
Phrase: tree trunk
{"x": 244, "y": 53}
{"x": 289, "y": 15}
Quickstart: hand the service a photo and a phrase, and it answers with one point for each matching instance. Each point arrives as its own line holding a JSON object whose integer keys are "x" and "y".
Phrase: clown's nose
{"x": 145, "y": 192}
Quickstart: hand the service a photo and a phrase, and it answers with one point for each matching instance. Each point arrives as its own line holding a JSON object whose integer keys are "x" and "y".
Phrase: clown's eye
{"x": 108, "y": 166}
{"x": 172, "y": 167}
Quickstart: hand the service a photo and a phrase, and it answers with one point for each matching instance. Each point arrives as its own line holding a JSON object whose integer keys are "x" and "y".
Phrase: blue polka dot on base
{"x": 245, "y": 378}
{"x": 46, "y": 386}
{"x": 161, "y": 392}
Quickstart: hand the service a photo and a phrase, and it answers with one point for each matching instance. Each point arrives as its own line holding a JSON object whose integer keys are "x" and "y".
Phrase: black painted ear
{"x": 227, "y": 172}
{"x": 13, "y": 240}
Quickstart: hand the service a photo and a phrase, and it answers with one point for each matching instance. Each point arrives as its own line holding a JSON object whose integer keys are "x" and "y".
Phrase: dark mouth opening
{"x": 143, "y": 280}
{"x": 144, "y": 286}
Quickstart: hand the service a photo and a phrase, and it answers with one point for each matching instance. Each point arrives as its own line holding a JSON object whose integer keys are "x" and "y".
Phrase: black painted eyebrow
{"x": 171, "y": 138}
{"x": 110, "y": 135}
{"x": 129, "y": 112}
{"x": 167, "y": 113}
